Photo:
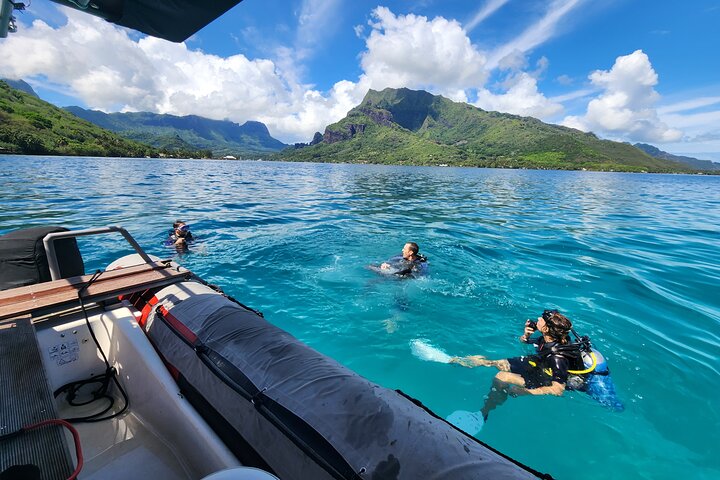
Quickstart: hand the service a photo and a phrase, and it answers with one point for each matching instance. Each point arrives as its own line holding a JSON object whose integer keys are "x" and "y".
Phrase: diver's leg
{"x": 480, "y": 361}
{"x": 498, "y": 393}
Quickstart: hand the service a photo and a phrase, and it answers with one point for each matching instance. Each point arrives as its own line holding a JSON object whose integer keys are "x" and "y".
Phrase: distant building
{"x": 229, "y": 157}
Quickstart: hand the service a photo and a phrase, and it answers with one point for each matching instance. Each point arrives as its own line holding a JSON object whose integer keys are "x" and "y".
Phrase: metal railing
{"x": 50, "y": 238}
{"x": 7, "y": 20}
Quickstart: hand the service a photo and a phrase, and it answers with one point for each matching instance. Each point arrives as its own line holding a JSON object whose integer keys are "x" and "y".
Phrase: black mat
{"x": 25, "y": 399}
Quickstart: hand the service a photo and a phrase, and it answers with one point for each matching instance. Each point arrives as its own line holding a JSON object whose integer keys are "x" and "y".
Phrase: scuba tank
{"x": 594, "y": 357}
{"x": 597, "y": 381}
{"x": 593, "y": 361}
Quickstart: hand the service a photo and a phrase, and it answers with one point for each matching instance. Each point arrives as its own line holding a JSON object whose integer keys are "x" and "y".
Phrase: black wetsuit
{"x": 172, "y": 238}
{"x": 408, "y": 268}
{"x": 547, "y": 366}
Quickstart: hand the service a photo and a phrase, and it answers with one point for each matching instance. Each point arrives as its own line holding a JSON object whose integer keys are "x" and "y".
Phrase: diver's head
{"x": 554, "y": 325}
{"x": 181, "y": 229}
{"x": 410, "y": 250}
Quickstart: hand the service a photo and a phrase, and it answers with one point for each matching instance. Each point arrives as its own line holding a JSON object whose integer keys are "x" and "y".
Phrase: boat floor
{"x": 122, "y": 448}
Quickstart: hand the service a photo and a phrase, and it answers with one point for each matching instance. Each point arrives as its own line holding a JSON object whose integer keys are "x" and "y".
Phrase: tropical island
{"x": 392, "y": 126}
{"x": 408, "y": 127}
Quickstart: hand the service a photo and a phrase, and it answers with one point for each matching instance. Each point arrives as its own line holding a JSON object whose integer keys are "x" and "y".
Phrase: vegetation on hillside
{"x": 223, "y": 137}
{"x": 401, "y": 126}
{"x": 31, "y": 126}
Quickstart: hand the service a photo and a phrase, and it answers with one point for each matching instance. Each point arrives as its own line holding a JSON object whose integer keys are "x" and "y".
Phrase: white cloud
{"x": 110, "y": 69}
{"x": 159, "y": 76}
{"x": 689, "y": 105}
{"x": 573, "y": 95}
{"x": 702, "y": 130}
{"x": 699, "y": 120}
{"x": 536, "y": 34}
{"x": 565, "y": 80}
{"x": 514, "y": 61}
{"x": 484, "y": 12}
{"x": 317, "y": 19}
{"x": 626, "y": 107}
{"x": 412, "y": 51}
{"x": 522, "y": 98}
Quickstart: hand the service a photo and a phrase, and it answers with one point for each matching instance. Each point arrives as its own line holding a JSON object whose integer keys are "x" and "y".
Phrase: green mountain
{"x": 401, "y": 126}
{"x": 29, "y": 125}
{"x": 21, "y": 85}
{"x": 223, "y": 137}
{"x": 689, "y": 161}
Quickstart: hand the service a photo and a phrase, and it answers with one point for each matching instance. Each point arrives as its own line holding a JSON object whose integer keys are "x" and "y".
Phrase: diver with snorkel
{"x": 558, "y": 365}
{"x": 179, "y": 236}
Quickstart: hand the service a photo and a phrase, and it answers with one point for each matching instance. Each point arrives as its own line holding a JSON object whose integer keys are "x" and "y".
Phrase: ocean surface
{"x": 632, "y": 259}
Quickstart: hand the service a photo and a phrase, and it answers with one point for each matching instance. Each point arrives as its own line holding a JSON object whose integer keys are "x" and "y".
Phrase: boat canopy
{"x": 174, "y": 20}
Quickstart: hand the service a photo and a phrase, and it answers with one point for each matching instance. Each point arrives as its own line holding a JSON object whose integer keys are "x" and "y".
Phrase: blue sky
{"x": 628, "y": 70}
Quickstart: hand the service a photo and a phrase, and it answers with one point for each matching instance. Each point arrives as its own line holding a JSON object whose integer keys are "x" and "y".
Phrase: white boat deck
{"x": 123, "y": 448}
{"x": 160, "y": 436}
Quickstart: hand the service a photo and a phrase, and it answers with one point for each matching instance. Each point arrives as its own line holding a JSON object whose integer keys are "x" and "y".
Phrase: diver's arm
{"x": 556, "y": 389}
{"x": 391, "y": 262}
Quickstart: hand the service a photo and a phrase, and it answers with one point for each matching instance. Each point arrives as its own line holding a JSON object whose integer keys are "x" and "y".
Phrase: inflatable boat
{"x": 154, "y": 372}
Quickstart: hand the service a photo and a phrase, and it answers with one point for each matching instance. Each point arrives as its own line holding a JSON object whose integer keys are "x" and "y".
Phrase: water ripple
{"x": 631, "y": 258}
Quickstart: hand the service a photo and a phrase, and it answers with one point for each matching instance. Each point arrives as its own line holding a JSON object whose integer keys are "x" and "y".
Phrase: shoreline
{"x": 710, "y": 173}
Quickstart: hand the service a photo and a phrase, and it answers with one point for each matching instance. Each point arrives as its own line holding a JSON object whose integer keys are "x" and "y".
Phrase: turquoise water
{"x": 632, "y": 259}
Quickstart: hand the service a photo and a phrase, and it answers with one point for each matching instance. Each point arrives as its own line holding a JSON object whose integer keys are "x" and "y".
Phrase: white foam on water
{"x": 470, "y": 422}
{"x": 424, "y": 351}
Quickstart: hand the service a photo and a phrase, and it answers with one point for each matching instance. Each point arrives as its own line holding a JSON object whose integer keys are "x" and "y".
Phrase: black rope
{"x": 101, "y": 392}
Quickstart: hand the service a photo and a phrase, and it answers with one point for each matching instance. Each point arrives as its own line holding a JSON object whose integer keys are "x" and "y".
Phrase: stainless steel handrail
{"x": 51, "y": 237}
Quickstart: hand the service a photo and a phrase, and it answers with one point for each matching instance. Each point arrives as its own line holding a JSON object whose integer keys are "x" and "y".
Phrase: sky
{"x": 628, "y": 70}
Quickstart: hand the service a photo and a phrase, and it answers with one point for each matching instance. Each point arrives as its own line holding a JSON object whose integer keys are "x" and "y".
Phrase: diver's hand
{"x": 529, "y": 330}
{"x": 384, "y": 266}
{"x": 180, "y": 241}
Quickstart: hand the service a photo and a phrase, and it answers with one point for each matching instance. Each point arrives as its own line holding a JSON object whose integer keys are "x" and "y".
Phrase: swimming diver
{"x": 409, "y": 264}
{"x": 558, "y": 365}
{"x": 179, "y": 236}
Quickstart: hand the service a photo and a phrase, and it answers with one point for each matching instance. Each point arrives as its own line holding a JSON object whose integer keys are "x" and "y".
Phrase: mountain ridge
{"x": 415, "y": 127}
{"x": 223, "y": 137}
{"x": 21, "y": 85}
{"x": 653, "y": 151}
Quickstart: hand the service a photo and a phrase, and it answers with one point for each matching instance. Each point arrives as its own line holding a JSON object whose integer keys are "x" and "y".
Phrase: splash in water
{"x": 424, "y": 351}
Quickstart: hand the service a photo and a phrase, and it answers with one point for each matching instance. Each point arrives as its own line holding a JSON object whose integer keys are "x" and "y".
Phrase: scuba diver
{"x": 558, "y": 365}
{"x": 179, "y": 236}
{"x": 409, "y": 264}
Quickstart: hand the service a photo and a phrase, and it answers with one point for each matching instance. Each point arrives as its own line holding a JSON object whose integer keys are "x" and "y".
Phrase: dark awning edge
{"x": 174, "y": 20}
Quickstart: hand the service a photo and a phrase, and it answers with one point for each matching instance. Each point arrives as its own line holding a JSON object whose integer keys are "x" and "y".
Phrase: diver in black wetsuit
{"x": 545, "y": 373}
{"x": 179, "y": 236}
{"x": 409, "y": 264}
